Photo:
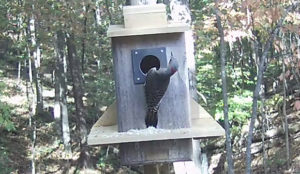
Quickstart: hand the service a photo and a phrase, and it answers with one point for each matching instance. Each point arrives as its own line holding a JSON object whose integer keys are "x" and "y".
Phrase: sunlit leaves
{"x": 234, "y": 35}
{"x": 239, "y": 109}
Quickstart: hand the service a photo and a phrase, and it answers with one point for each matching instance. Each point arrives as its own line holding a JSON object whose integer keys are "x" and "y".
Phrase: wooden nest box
{"x": 146, "y": 40}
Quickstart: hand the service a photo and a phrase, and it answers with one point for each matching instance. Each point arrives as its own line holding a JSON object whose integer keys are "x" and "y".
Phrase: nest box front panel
{"x": 130, "y": 69}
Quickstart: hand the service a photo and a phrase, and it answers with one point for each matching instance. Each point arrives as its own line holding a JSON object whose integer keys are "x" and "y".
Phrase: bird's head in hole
{"x": 173, "y": 64}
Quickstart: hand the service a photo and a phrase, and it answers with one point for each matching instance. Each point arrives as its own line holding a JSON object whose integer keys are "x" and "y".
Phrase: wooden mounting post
{"x": 157, "y": 169}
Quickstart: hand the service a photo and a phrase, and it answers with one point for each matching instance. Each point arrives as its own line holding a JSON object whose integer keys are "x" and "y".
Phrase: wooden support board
{"x": 203, "y": 126}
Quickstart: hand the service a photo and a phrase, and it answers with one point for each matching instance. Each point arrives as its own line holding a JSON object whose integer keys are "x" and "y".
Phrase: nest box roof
{"x": 120, "y": 30}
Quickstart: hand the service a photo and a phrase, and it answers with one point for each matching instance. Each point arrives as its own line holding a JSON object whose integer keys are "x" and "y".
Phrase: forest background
{"x": 56, "y": 79}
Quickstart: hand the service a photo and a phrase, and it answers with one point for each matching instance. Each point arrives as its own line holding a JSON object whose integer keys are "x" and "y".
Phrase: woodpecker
{"x": 156, "y": 84}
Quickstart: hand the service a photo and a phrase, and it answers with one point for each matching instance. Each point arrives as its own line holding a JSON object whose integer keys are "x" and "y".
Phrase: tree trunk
{"x": 77, "y": 80}
{"x": 57, "y": 92}
{"x": 224, "y": 91}
{"x": 180, "y": 11}
{"x": 254, "y": 104}
{"x": 295, "y": 61}
{"x": 261, "y": 69}
{"x": 263, "y": 114}
{"x": 33, "y": 102}
{"x": 108, "y": 12}
{"x": 98, "y": 21}
{"x": 298, "y": 47}
{"x": 19, "y": 71}
{"x": 286, "y": 126}
{"x": 37, "y": 79}
{"x": 298, "y": 60}
{"x": 61, "y": 90}
{"x": 36, "y": 66}
{"x": 86, "y": 9}
{"x": 33, "y": 143}
{"x": 31, "y": 108}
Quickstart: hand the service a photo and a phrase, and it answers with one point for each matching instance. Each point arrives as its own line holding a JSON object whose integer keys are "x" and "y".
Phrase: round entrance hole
{"x": 149, "y": 62}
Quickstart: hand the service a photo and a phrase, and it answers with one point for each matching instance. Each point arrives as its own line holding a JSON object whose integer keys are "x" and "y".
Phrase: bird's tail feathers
{"x": 151, "y": 117}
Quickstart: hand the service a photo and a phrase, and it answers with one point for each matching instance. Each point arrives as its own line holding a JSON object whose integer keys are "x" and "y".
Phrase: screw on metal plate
{"x": 162, "y": 51}
{"x": 138, "y": 78}
{"x": 136, "y": 52}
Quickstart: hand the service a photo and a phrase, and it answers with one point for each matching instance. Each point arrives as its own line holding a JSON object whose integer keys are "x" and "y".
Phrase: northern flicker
{"x": 156, "y": 84}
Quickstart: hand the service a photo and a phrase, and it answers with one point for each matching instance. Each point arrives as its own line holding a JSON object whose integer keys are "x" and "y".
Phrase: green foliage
{"x": 5, "y": 112}
{"x": 208, "y": 82}
{"x": 108, "y": 161}
{"x": 5, "y": 117}
{"x": 4, "y": 160}
{"x": 101, "y": 90}
{"x": 240, "y": 83}
{"x": 3, "y": 19}
{"x": 2, "y": 85}
{"x": 278, "y": 159}
{"x": 239, "y": 110}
